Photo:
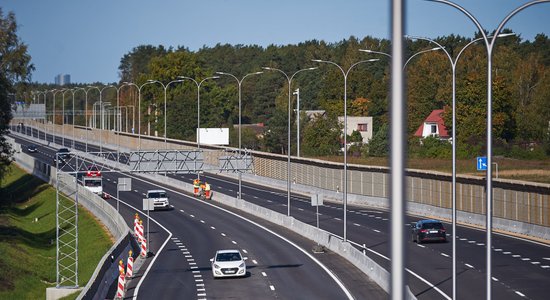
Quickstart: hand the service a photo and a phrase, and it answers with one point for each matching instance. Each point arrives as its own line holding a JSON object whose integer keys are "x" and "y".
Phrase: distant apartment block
{"x": 63, "y": 79}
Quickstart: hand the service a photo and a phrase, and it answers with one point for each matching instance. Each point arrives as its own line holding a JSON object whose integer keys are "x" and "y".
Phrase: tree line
{"x": 521, "y": 93}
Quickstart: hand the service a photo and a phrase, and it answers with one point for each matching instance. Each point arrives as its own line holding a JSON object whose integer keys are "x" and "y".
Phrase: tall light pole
{"x": 101, "y": 121}
{"x": 453, "y": 70}
{"x": 86, "y": 110}
{"x": 165, "y": 87}
{"x": 53, "y": 123}
{"x": 239, "y": 83}
{"x": 289, "y": 81}
{"x": 345, "y": 187}
{"x": 489, "y": 44}
{"x": 198, "y": 84}
{"x": 44, "y": 123}
{"x": 297, "y": 93}
{"x": 63, "y": 118}
{"x": 139, "y": 107}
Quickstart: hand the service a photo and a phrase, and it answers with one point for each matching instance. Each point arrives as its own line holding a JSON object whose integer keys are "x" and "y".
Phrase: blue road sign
{"x": 481, "y": 162}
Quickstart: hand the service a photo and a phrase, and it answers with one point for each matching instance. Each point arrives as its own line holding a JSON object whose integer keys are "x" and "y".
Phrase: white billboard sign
{"x": 213, "y": 136}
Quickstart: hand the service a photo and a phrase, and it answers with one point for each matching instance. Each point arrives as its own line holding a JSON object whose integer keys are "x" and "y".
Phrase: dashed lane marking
{"x": 469, "y": 266}
{"x": 520, "y": 294}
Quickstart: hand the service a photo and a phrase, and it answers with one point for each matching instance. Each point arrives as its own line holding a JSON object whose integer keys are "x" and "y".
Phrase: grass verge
{"x": 28, "y": 236}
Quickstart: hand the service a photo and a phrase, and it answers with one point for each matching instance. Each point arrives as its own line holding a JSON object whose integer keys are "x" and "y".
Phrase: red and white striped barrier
{"x": 140, "y": 231}
{"x": 120, "y": 266}
{"x": 129, "y": 265}
{"x": 136, "y": 224}
{"x": 143, "y": 247}
{"x": 121, "y": 283}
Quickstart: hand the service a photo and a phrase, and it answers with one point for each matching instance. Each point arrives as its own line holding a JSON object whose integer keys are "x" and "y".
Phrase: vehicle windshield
{"x": 432, "y": 225}
{"x": 157, "y": 195}
{"x": 231, "y": 256}
{"x": 63, "y": 150}
{"x": 92, "y": 183}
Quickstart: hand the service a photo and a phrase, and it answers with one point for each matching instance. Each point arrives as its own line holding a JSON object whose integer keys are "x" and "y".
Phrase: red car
{"x": 93, "y": 171}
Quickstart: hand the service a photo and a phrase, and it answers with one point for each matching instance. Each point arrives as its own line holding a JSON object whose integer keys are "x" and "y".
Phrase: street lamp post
{"x": 489, "y": 44}
{"x": 165, "y": 87}
{"x": 139, "y": 107}
{"x": 239, "y": 83}
{"x": 453, "y": 70}
{"x": 345, "y": 187}
{"x": 198, "y": 84}
{"x": 297, "y": 93}
{"x": 289, "y": 80}
{"x": 86, "y": 111}
{"x": 101, "y": 121}
{"x": 53, "y": 120}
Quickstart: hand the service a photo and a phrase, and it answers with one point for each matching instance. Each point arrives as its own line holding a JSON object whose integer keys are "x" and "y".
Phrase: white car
{"x": 228, "y": 263}
{"x": 160, "y": 199}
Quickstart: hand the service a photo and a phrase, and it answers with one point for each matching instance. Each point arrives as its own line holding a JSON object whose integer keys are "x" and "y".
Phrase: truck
{"x": 94, "y": 184}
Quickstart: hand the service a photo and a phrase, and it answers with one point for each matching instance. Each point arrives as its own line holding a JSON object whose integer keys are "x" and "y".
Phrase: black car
{"x": 32, "y": 148}
{"x": 63, "y": 154}
{"x": 429, "y": 230}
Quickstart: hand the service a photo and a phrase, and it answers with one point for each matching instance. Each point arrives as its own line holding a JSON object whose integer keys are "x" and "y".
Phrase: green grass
{"x": 27, "y": 263}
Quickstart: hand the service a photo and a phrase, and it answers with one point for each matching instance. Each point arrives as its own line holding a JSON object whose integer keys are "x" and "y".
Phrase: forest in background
{"x": 521, "y": 93}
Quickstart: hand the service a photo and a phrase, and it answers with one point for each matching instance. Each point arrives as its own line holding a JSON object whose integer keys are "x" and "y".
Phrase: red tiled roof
{"x": 435, "y": 117}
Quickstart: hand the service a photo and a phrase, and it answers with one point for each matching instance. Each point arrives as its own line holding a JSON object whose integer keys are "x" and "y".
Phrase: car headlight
{"x": 241, "y": 265}
{"x": 216, "y": 266}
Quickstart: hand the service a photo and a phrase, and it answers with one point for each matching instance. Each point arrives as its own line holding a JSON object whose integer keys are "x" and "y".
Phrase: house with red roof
{"x": 433, "y": 125}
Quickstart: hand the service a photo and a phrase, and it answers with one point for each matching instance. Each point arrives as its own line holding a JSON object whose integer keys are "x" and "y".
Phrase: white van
{"x": 160, "y": 199}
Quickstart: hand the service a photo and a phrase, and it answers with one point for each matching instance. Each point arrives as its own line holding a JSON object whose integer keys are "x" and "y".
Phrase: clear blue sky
{"x": 87, "y": 39}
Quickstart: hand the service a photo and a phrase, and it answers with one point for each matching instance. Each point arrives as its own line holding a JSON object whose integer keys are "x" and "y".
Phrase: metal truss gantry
{"x": 76, "y": 164}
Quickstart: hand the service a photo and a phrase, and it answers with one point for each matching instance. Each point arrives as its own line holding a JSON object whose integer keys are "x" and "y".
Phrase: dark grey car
{"x": 429, "y": 230}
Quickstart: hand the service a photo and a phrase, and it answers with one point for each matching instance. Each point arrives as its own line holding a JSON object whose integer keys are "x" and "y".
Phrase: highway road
{"x": 186, "y": 237}
{"x": 521, "y": 268}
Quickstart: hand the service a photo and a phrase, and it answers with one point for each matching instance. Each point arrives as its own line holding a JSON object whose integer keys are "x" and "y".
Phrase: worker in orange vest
{"x": 207, "y": 192}
{"x": 196, "y": 187}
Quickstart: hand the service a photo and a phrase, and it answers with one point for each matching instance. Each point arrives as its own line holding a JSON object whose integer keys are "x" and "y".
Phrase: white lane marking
{"x": 213, "y": 228}
{"x": 338, "y": 219}
{"x": 264, "y": 274}
{"x": 336, "y": 279}
{"x": 545, "y": 267}
{"x": 507, "y": 252}
{"x": 201, "y": 295}
{"x": 192, "y": 216}
{"x": 421, "y": 246}
{"x": 181, "y": 210}
{"x": 272, "y": 287}
{"x": 254, "y": 262}
{"x": 376, "y": 230}
{"x": 480, "y": 244}
{"x": 446, "y": 255}
{"x": 525, "y": 259}
{"x": 498, "y": 250}
{"x": 469, "y": 266}
{"x": 235, "y": 243}
{"x": 494, "y": 279}
{"x": 546, "y": 258}
{"x": 519, "y": 293}
{"x": 197, "y": 276}
{"x": 358, "y": 225}
{"x": 202, "y": 221}
{"x": 472, "y": 242}
{"x": 463, "y": 239}
{"x": 516, "y": 255}
{"x": 136, "y": 292}
{"x": 244, "y": 251}
{"x": 300, "y": 209}
{"x": 223, "y": 234}
{"x": 535, "y": 262}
